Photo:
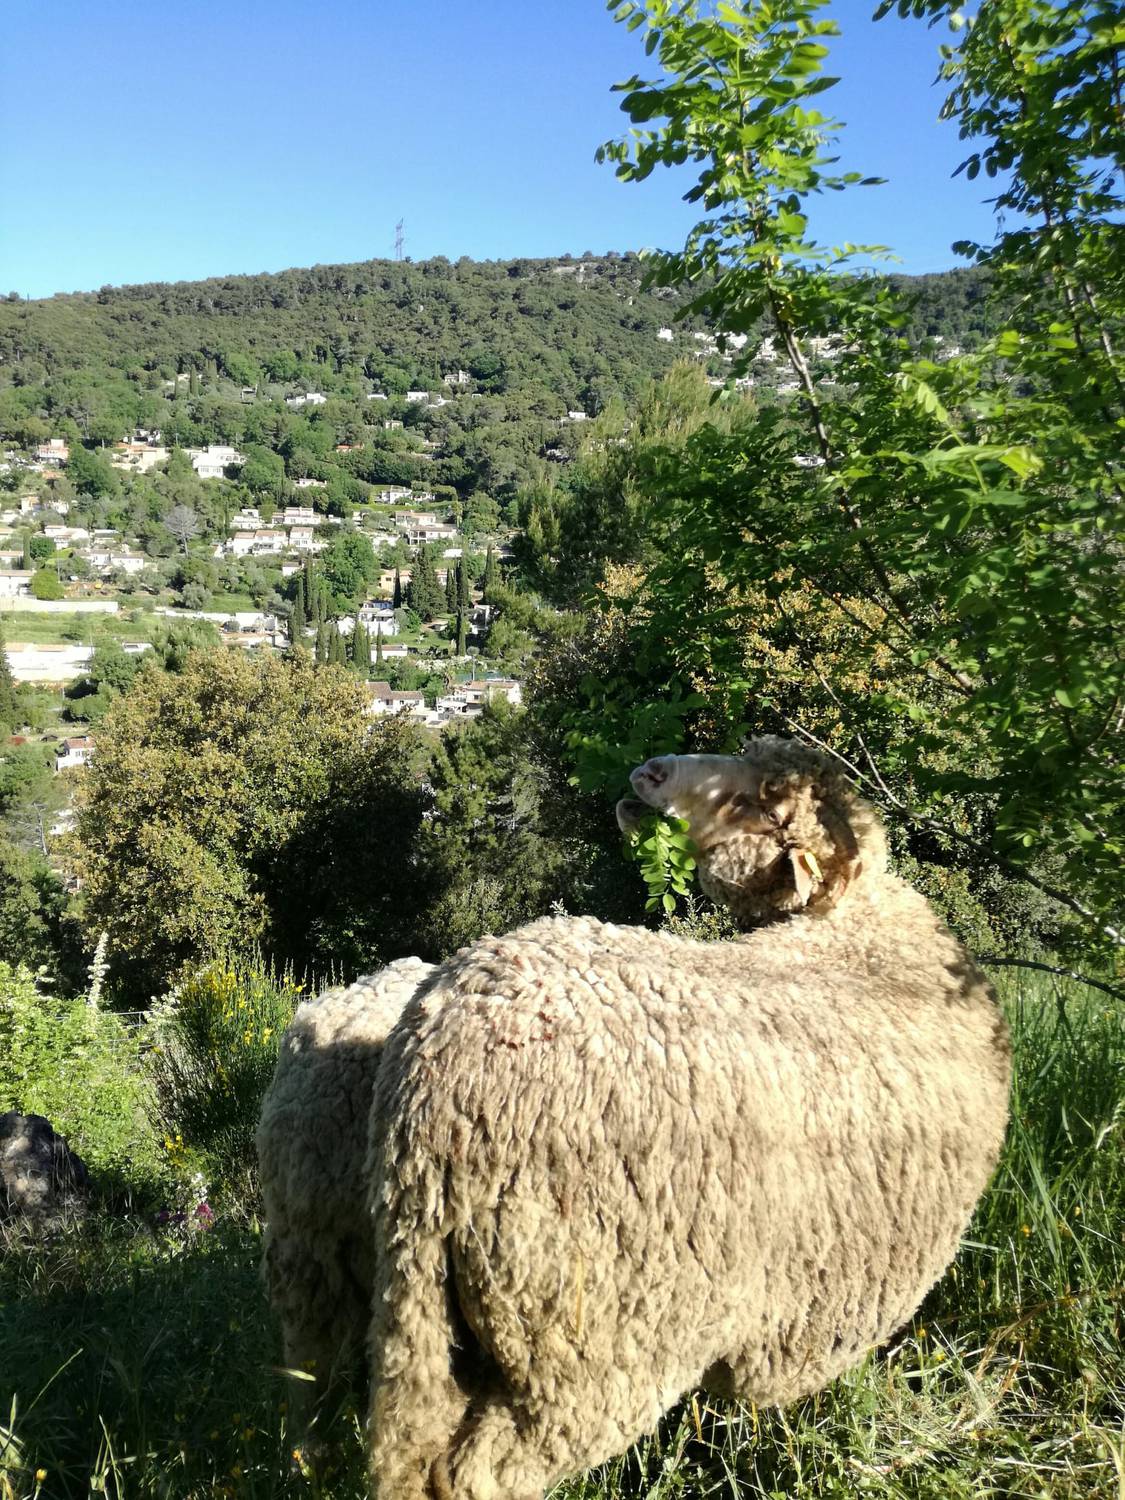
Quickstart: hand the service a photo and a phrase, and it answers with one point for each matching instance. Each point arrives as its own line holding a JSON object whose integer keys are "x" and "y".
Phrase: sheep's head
{"x": 777, "y": 829}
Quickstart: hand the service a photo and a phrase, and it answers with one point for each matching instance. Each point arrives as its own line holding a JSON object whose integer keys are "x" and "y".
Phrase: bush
{"x": 217, "y": 1041}
{"x": 46, "y": 585}
{"x": 80, "y": 1067}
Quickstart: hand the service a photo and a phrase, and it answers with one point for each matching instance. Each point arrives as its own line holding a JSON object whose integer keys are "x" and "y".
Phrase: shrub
{"x": 81, "y": 1068}
{"x": 46, "y": 584}
{"x": 216, "y": 1045}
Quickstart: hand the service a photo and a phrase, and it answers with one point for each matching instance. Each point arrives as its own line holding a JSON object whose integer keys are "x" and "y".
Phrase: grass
{"x": 138, "y": 1360}
{"x": 77, "y": 629}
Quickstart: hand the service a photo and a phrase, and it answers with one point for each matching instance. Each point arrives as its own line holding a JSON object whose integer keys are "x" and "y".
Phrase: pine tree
{"x": 361, "y": 649}
{"x": 11, "y": 711}
{"x": 322, "y": 644}
{"x": 396, "y": 597}
{"x": 490, "y": 577}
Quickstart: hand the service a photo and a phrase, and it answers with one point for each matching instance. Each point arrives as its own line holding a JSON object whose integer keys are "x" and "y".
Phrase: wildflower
{"x": 1078, "y": 1210}
{"x": 40, "y": 1476}
{"x": 1025, "y": 1230}
{"x": 937, "y": 1356}
{"x": 921, "y": 1333}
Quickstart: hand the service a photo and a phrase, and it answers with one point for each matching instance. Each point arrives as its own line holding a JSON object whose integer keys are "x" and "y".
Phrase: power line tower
{"x": 400, "y": 240}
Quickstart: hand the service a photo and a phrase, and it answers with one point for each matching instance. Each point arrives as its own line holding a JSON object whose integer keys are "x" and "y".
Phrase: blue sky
{"x": 175, "y": 139}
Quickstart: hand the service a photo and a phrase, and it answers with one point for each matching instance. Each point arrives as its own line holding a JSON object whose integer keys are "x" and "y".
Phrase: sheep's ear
{"x": 806, "y": 873}
{"x": 631, "y": 812}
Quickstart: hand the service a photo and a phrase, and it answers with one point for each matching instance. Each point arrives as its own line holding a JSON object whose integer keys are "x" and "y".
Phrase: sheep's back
{"x": 684, "y": 1157}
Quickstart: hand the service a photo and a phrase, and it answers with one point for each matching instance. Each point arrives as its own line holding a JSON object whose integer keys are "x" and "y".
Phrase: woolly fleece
{"x": 610, "y": 1165}
{"x": 311, "y": 1143}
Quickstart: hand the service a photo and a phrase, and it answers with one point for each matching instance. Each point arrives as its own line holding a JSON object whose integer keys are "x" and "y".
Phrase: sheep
{"x": 610, "y": 1165}
{"x": 311, "y": 1142}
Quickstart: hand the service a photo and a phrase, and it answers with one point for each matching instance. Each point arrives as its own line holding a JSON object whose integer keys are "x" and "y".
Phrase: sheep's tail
{"x": 417, "y": 1406}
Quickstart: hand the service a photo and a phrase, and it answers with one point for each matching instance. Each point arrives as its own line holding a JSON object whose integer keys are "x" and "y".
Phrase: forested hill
{"x": 577, "y": 331}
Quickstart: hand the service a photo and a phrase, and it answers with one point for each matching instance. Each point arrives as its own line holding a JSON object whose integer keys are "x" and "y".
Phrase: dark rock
{"x": 41, "y": 1179}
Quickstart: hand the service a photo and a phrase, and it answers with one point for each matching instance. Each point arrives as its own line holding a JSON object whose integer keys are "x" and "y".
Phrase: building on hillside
{"x": 391, "y": 494}
{"x": 456, "y": 378}
{"x": 417, "y": 396}
{"x": 14, "y": 582}
{"x": 74, "y": 752}
{"x": 67, "y": 535}
{"x": 387, "y": 579}
{"x": 138, "y": 457}
{"x": 298, "y": 515}
{"x": 53, "y": 451}
{"x": 383, "y": 699}
{"x": 309, "y": 484}
{"x": 309, "y": 398}
{"x": 212, "y": 462}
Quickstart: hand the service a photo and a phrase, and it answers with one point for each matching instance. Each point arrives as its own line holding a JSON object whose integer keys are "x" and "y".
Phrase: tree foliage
{"x": 246, "y": 799}
{"x": 951, "y": 529}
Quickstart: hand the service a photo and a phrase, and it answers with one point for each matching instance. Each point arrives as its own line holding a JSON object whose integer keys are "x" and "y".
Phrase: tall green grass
{"x": 139, "y": 1361}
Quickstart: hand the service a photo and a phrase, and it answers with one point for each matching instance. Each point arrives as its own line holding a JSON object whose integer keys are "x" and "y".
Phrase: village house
{"x": 213, "y": 462}
{"x": 383, "y": 699}
{"x": 298, "y": 515}
{"x": 68, "y": 535}
{"x": 138, "y": 458}
{"x": 417, "y": 396}
{"x": 53, "y": 451}
{"x": 309, "y": 484}
{"x": 309, "y": 398}
{"x": 74, "y": 752}
{"x": 14, "y": 582}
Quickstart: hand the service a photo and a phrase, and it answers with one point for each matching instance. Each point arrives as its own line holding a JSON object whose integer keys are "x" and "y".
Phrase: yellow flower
{"x": 1025, "y": 1229}
{"x": 40, "y": 1476}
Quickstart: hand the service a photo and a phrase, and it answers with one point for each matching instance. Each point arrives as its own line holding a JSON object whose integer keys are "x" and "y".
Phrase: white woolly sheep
{"x": 610, "y": 1165}
{"x": 311, "y": 1140}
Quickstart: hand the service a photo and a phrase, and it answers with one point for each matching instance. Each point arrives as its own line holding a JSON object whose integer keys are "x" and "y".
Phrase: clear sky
{"x": 164, "y": 140}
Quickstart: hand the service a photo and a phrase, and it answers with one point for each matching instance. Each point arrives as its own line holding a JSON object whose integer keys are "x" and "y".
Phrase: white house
{"x": 13, "y": 582}
{"x": 310, "y": 398}
{"x": 665, "y": 335}
{"x": 212, "y": 462}
{"x": 298, "y": 515}
{"x": 383, "y": 699}
{"x": 417, "y": 396}
{"x": 74, "y": 752}
{"x": 53, "y": 451}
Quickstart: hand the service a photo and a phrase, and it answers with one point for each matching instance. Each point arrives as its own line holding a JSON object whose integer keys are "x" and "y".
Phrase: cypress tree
{"x": 450, "y": 590}
{"x": 322, "y": 644}
{"x": 300, "y": 615}
{"x": 26, "y": 551}
{"x": 489, "y": 578}
{"x": 464, "y": 598}
{"x": 378, "y": 647}
{"x": 462, "y": 633}
{"x": 361, "y": 648}
{"x": 337, "y": 647}
{"x": 426, "y": 598}
{"x": 396, "y": 597}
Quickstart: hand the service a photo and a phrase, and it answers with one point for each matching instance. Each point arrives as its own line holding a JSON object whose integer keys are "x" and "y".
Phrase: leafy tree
{"x": 91, "y": 473}
{"x": 39, "y": 548}
{"x": 972, "y": 506}
{"x": 348, "y": 567}
{"x": 46, "y": 585}
{"x": 37, "y": 926}
{"x": 247, "y": 799}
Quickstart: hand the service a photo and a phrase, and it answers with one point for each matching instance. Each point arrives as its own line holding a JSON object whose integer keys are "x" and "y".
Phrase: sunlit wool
{"x": 610, "y": 1165}
{"x": 311, "y": 1144}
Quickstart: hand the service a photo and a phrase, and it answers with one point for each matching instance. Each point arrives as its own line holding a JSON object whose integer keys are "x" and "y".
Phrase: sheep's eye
{"x": 774, "y": 816}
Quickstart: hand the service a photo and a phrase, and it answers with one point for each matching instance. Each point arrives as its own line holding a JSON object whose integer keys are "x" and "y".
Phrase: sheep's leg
{"x": 417, "y": 1403}
{"x": 323, "y": 1313}
{"x": 510, "y": 1452}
